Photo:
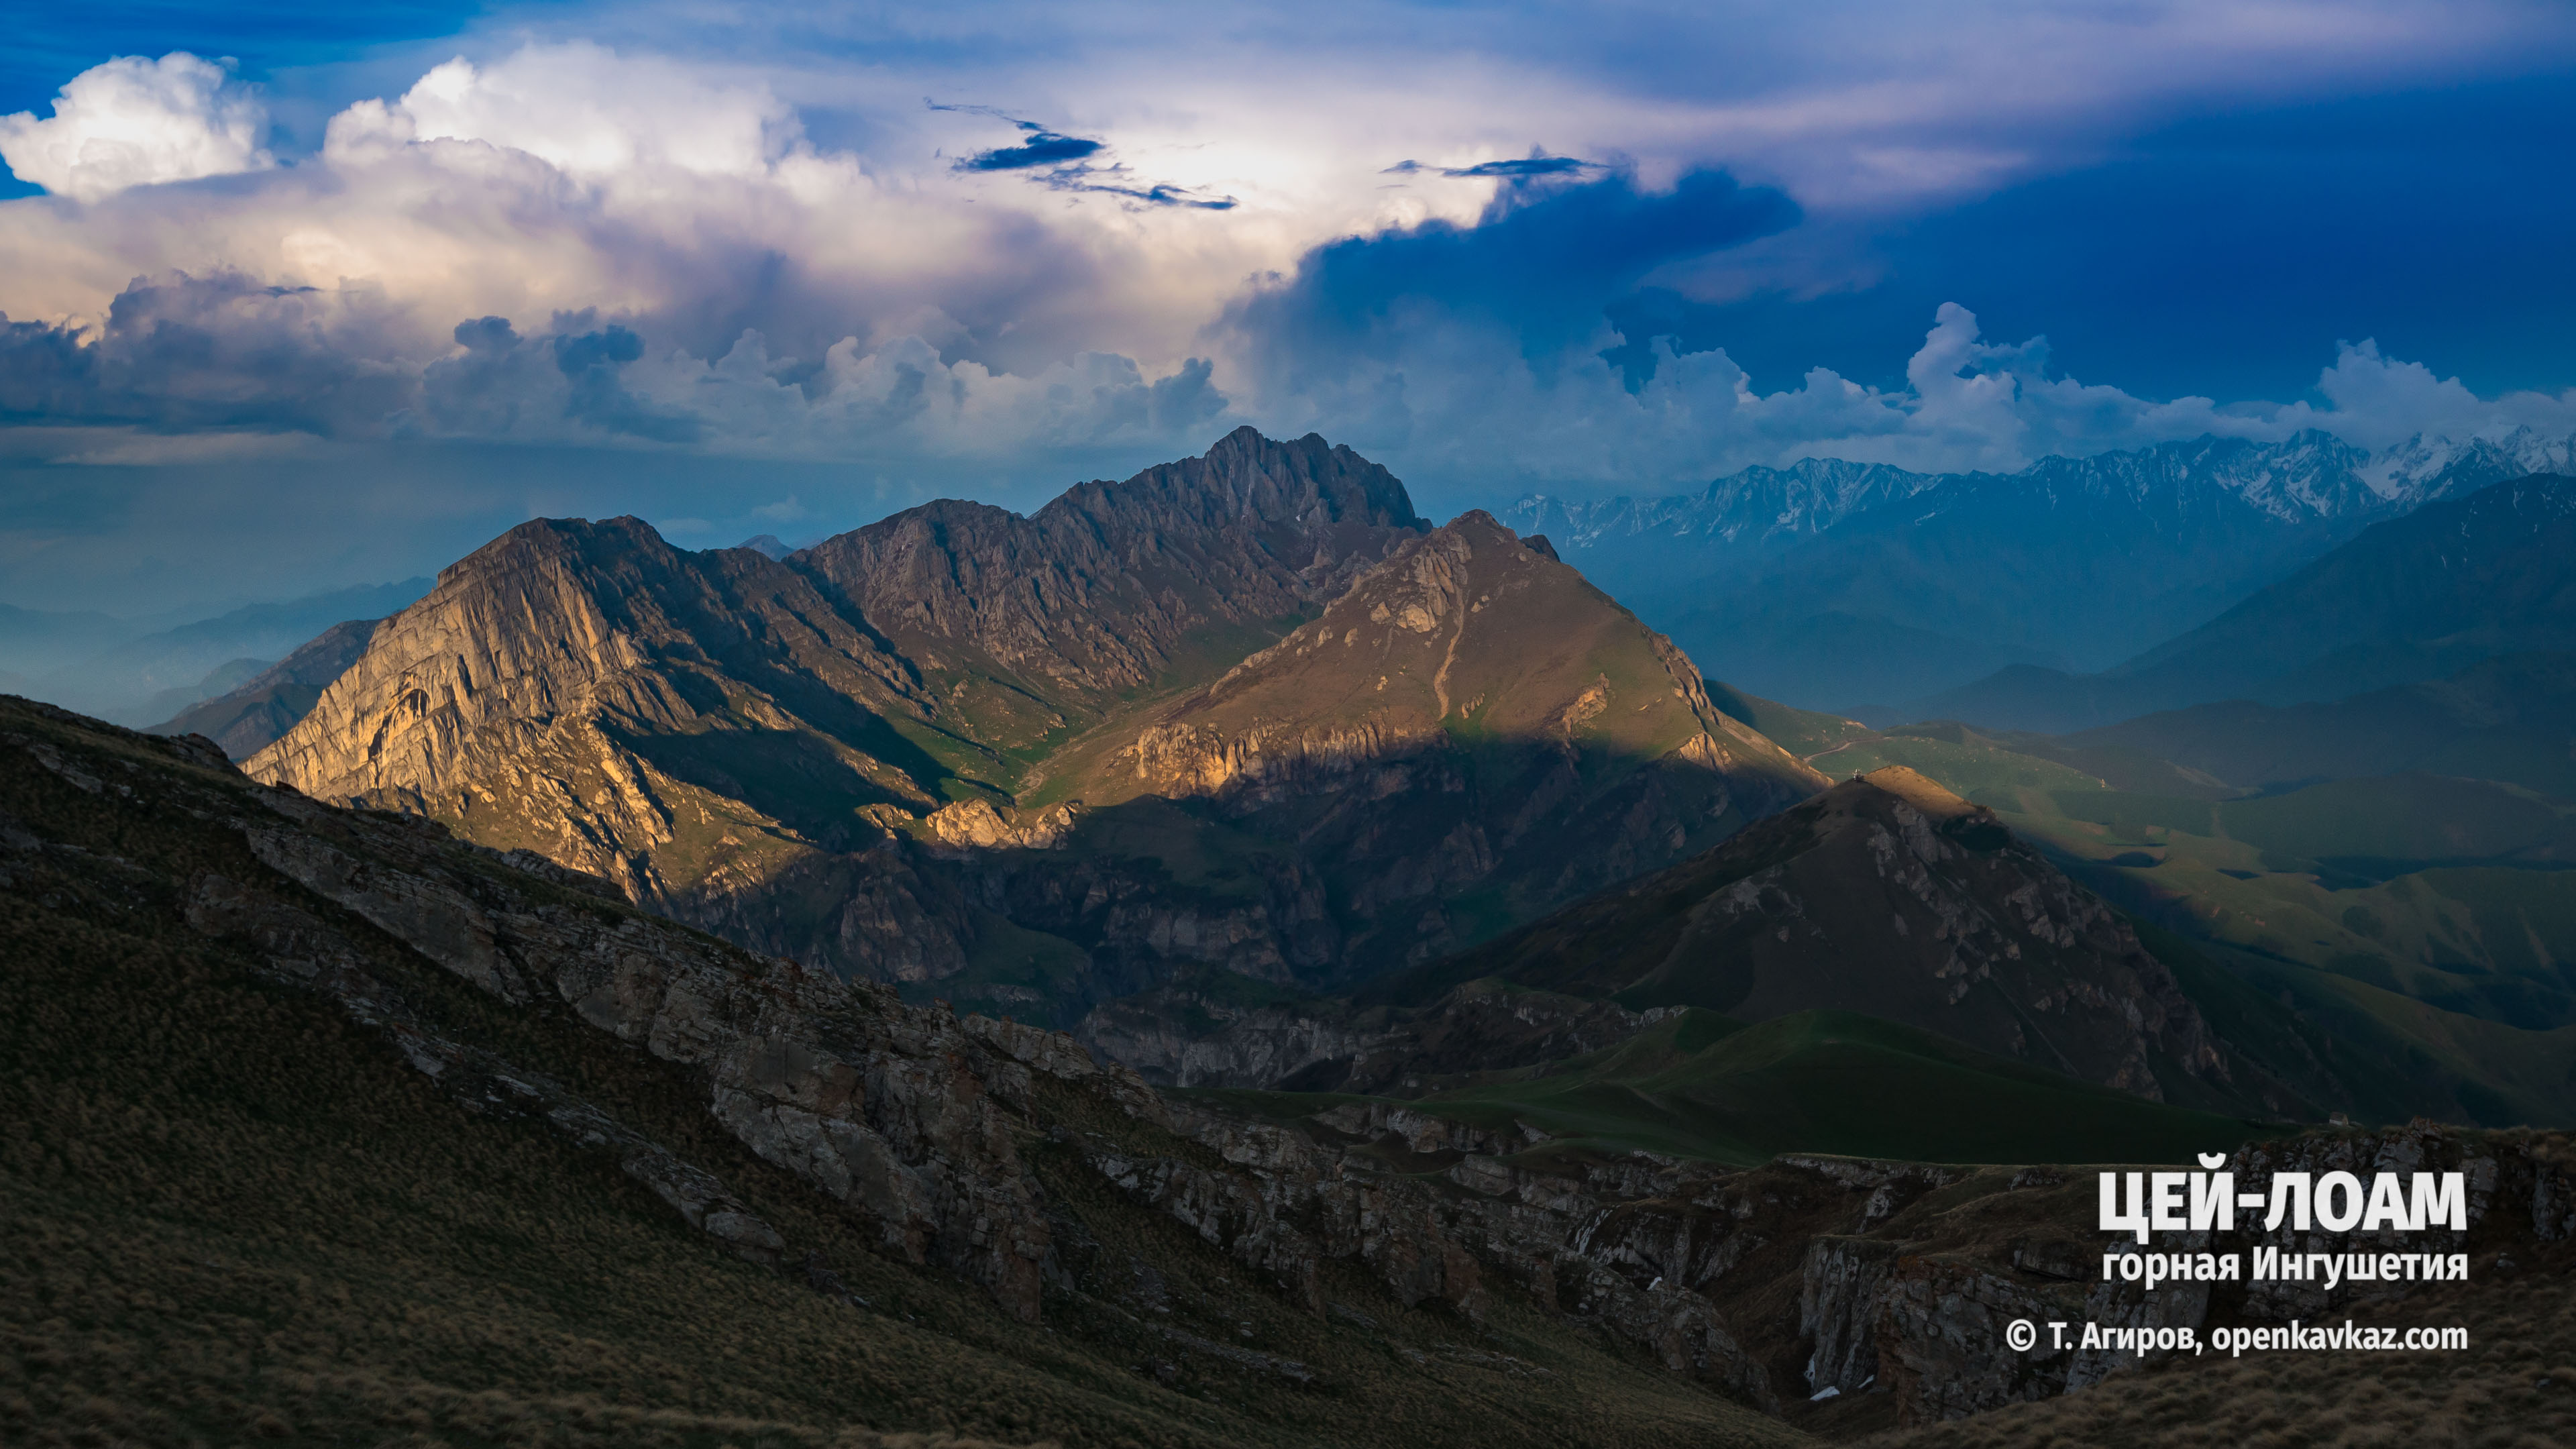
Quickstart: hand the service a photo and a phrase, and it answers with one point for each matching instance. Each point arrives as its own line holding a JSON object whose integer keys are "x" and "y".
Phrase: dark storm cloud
{"x": 1522, "y": 169}
{"x": 185, "y": 352}
{"x": 1063, "y": 163}
{"x": 2221, "y": 255}
{"x": 1543, "y": 260}
{"x": 504, "y": 384}
{"x": 224, "y": 353}
{"x": 1042, "y": 148}
{"x": 1112, "y": 181}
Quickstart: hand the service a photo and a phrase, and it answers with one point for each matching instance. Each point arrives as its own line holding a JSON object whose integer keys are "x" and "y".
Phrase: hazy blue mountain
{"x": 1841, "y": 585}
{"x": 35, "y": 642}
{"x": 2511, "y": 719}
{"x": 230, "y": 675}
{"x": 2413, "y": 598}
{"x": 145, "y": 680}
{"x": 251, "y": 710}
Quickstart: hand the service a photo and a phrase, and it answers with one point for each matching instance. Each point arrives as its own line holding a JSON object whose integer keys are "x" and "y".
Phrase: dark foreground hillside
{"x": 317, "y": 1126}
{"x": 2514, "y": 1388}
{"x": 238, "y": 1209}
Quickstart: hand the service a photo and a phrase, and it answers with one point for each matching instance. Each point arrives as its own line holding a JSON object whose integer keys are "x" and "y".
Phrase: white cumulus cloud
{"x": 582, "y": 109}
{"x": 138, "y": 122}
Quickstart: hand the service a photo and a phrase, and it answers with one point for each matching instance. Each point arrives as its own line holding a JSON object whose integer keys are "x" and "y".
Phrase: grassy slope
{"x": 1701, "y": 1085}
{"x": 1803, "y": 732}
{"x": 231, "y": 1216}
{"x": 2412, "y": 988}
{"x": 2503, "y": 719}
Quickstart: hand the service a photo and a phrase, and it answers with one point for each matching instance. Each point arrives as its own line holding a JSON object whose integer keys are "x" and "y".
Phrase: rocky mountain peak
{"x": 956, "y": 746}
{"x": 561, "y": 621}
{"x": 1469, "y": 714}
{"x": 1108, "y": 586}
{"x": 1248, "y": 476}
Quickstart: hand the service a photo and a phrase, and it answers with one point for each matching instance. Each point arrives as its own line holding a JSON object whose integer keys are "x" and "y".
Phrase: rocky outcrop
{"x": 885, "y": 1108}
{"x": 1185, "y": 1037}
{"x": 1838, "y": 1300}
{"x": 301, "y": 948}
{"x": 1287, "y": 1201}
{"x": 956, "y": 831}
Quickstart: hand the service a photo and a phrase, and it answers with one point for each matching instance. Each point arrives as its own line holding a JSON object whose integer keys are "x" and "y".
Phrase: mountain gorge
{"x": 1246, "y": 712}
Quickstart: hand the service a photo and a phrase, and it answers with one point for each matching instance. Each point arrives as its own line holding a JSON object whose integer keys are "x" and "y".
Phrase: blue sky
{"x": 305, "y": 296}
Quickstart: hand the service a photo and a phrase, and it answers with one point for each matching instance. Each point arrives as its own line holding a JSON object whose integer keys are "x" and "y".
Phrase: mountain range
{"x": 1478, "y": 1025}
{"x": 2411, "y": 599}
{"x": 1841, "y": 585}
{"x": 1247, "y": 723}
{"x": 438, "y": 1107}
{"x": 144, "y": 672}
{"x": 1245, "y": 712}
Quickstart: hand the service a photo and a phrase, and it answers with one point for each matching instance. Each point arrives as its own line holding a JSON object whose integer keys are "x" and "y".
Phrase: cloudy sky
{"x": 297, "y": 298}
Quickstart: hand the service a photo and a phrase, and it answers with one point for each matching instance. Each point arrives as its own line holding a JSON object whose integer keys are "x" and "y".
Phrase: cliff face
{"x": 561, "y": 619}
{"x": 966, "y": 747}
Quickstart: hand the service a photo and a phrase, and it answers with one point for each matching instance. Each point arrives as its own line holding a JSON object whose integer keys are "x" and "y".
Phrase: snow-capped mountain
{"x": 2422, "y": 469}
{"x": 1756, "y": 506}
{"x": 2312, "y": 477}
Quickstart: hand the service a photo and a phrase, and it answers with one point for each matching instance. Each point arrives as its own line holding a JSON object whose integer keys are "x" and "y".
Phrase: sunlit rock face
{"x": 1244, "y": 712}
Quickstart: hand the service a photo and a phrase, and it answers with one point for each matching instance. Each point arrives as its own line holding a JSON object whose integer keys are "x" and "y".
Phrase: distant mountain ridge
{"x": 143, "y": 680}
{"x": 2511, "y": 718}
{"x": 1838, "y": 585}
{"x": 2412, "y": 598}
{"x": 1887, "y": 895}
{"x": 250, "y": 716}
{"x": 2310, "y": 476}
